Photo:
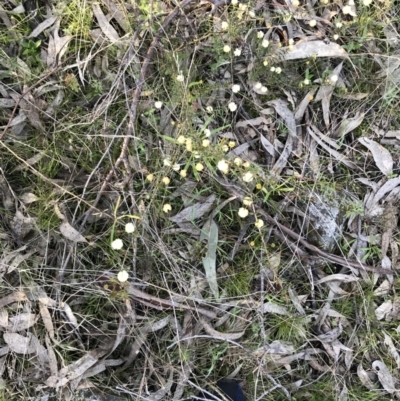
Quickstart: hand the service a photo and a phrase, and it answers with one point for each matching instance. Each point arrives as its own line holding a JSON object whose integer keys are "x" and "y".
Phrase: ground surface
{"x": 199, "y": 190}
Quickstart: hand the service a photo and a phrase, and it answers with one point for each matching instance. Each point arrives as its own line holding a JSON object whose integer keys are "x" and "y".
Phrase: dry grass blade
{"x": 382, "y": 157}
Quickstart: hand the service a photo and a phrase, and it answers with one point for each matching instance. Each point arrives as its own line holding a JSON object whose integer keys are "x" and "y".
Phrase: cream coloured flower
{"x": 209, "y": 109}
{"x": 246, "y": 164}
{"x": 150, "y": 177}
{"x": 167, "y": 208}
{"x": 129, "y": 228}
{"x": 312, "y": 23}
{"x": 167, "y": 162}
{"x": 165, "y": 180}
{"x": 264, "y": 89}
{"x": 224, "y": 25}
{"x": 183, "y": 173}
{"x": 181, "y": 139}
{"x": 235, "y": 88}
{"x": 225, "y": 147}
{"x": 252, "y": 14}
{"x": 158, "y": 105}
{"x": 295, "y": 3}
{"x": 260, "y": 34}
{"x": 180, "y": 78}
{"x": 123, "y": 276}
{"x": 257, "y": 85}
{"x": 231, "y": 144}
{"x": 265, "y": 43}
{"x": 117, "y": 244}
{"x": 176, "y": 167}
{"x": 367, "y": 2}
{"x": 205, "y": 143}
{"x": 226, "y": 49}
{"x": 189, "y": 144}
{"x": 199, "y": 167}
{"x": 247, "y": 201}
{"x": 207, "y": 132}
{"x": 278, "y": 70}
{"x": 338, "y": 24}
{"x": 259, "y": 223}
{"x": 334, "y": 79}
{"x": 223, "y": 166}
{"x": 237, "y": 52}
{"x": 335, "y": 36}
{"x": 238, "y": 161}
{"x": 232, "y": 106}
{"x": 248, "y": 177}
{"x": 243, "y": 212}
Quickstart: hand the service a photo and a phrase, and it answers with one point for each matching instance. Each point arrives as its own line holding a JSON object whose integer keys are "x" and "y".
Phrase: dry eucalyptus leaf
{"x": 57, "y": 46}
{"x": 325, "y": 93}
{"x": 15, "y": 297}
{"x": 364, "y": 378}
{"x": 348, "y": 125}
{"x": 288, "y": 117}
{"x": 270, "y": 307}
{"x": 267, "y": 145}
{"x": 7, "y": 103}
{"x": 227, "y": 336}
{"x": 253, "y": 122}
{"x": 331, "y": 335}
{"x": 21, "y": 322}
{"x": 345, "y": 278}
{"x": 71, "y": 233}
{"x": 120, "y": 14}
{"x": 385, "y": 187}
{"x": 382, "y": 157}
{"x": 384, "y": 376}
{"x": 210, "y": 233}
{"x": 20, "y": 344}
{"x": 281, "y": 347}
{"x": 28, "y": 198}
{"x": 13, "y": 263}
{"x": 3, "y": 317}
{"x": 46, "y": 318}
{"x": 105, "y": 26}
{"x": 301, "y": 108}
{"x": 383, "y": 311}
{"x": 47, "y": 23}
{"x": 316, "y": 48}
{"x": 338, "y": 156}
{"x": 195, "y": 211}
{"x": 392, "y": 348}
